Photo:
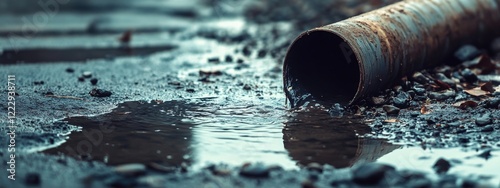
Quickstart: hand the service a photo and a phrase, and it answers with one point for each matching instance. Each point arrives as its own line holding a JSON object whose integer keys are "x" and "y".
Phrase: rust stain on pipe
{"x": 351, "y": 59}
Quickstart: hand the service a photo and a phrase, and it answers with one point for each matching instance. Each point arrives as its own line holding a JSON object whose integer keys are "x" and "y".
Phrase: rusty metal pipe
{"x": 351, "y": 59}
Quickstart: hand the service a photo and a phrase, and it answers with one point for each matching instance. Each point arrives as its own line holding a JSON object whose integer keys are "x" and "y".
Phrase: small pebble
{"x": 419, "y": 90}
{"x": 496, "y": 94}
{"x": 81, "y": 79}
{"x": 246, "y": 51}
{"x": 229, "y": 59}
{"x": 483, "y": 120}
{"x": 402, "y": 100}
{"x": 420, "y": 78}
{"x": 70, "y": 70}
{"x": 261, "y": 53}
{"x": 33, "y": 178}
{"x": 454, "y": 124}
{"x": 442, "y": 95}
{"x": 377, "y": 101}
{"x": 87, "y": 74}
{"x": 391, "y": 109}
{"x": 132, "y": 169}
{"x": 411, "y": 93}
{"x": 307, "y": 184}
{"x": 441, "y": 166}
{"x": 210, "y": 73}
{"x": 463, "y": 140}
{"x": 492, "y": 103}
{"x": 469, "y": 76}
{"x": 100, "y": 93}
{"x": 161, "y": 168}
{"x": 190, "y": 90}
{"x": 213, "y": 60}
{"x": 219, "y": 170}
{"x": 487, "y": 128}
{"x": 93, "y": 81}
{"x": 370, "y": 173}
{"x": 38, "y": 82}
{"x": 486, "y": 154}
{"x": 315, "y": 167}
{"x": 247, "y": 87}
{"x": 257, "y": 170}
{"x": 467, "y": 52}
{"x": 469, "y": 183}
{"x": 175, "y": 83}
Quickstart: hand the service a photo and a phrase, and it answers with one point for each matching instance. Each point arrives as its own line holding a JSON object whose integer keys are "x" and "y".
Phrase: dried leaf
{"x": 488, "y": 86}
{"x": 483, "y": 64}
{"x": 391, "y": 120}
{"x": 486, "y": 64}
{"x": 424, "y": 110}
{"x": 442, "y": 85}
{"x": 476, "y": 92}
{"x": 483, "y": 89}
{"x": 465, "y": 104}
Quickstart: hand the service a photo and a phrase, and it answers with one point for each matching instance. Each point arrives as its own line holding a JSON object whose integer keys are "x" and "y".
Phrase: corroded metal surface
{"x": 387, "y": 44}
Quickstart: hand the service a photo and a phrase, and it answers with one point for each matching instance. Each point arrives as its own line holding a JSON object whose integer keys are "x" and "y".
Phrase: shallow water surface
{"x": 200, "y": 132}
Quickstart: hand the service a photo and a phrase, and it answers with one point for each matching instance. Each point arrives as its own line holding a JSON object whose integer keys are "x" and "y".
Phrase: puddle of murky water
{"x": 199, "y": 133}
{"x": 314, "y": 136}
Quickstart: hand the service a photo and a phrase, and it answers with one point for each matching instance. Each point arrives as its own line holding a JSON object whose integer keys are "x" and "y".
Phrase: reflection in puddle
{"x": 133, "y": 132}
{"x": 173, "y": 132}
{"x": 314, "y": 136}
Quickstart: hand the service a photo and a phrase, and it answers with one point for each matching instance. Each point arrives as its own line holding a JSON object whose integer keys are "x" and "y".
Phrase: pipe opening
{"x": 320, "y": 66}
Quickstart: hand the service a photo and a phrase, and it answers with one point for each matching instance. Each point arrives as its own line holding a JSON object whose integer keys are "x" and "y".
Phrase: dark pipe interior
{"x": 317, "y": 68}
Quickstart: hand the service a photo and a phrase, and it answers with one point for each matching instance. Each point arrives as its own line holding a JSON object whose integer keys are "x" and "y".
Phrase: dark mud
{"x": 211, "y": 112}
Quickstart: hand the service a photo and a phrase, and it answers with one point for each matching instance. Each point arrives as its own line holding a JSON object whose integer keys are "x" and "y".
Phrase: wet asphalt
{"x": 224, "y": 60}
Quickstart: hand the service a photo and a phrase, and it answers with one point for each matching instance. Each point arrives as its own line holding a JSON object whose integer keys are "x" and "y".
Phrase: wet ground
{"x": 194, "y": 98}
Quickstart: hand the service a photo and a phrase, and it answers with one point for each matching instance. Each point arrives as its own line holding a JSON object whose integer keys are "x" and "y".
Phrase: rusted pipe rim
{"x": 319, "y": 66}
